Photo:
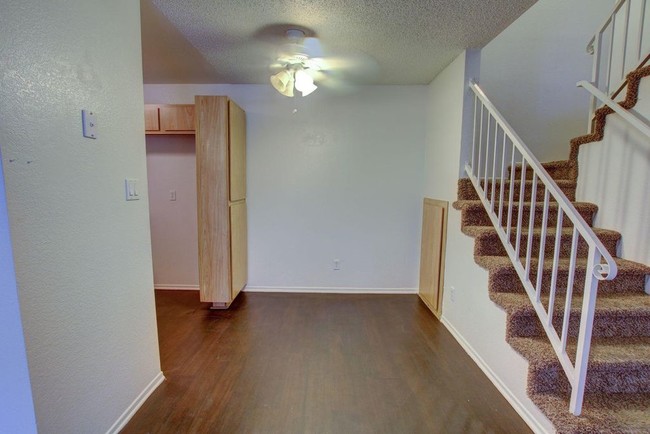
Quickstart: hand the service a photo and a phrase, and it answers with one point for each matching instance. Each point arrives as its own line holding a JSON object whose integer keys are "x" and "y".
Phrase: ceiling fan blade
{"x": 352, "y": 67}
{"x": 313, "y": 47}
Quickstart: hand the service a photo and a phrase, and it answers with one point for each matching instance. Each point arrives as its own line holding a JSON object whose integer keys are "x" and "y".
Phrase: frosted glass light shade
{"x": 283, "y": 82}
{"x": 305, "y": 83}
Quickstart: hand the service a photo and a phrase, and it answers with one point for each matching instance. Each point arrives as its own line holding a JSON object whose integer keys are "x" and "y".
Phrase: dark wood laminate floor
{"x": 315, "y": 363}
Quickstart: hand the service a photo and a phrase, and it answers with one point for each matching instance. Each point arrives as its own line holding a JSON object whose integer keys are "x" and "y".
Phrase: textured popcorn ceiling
{"x": 229, "y": 41}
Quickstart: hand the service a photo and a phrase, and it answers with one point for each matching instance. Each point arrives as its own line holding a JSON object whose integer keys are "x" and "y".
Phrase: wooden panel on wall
{"x": 212, "y": 195}
{"x": 237, "y": 152}
{"x": 177, "y": 117}
{"x": 151, "y": 121}
{"x": 432, "y": 256}
{"x": 238, "y": 246}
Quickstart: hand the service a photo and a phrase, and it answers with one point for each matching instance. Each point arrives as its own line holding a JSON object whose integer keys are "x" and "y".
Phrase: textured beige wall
{"x": 530, "y": 72}
{"x": 171, "y": 165}
{"x": 82, "y": 253}
{"x": 329, "y": 177}
{"x": 467, "y": 311}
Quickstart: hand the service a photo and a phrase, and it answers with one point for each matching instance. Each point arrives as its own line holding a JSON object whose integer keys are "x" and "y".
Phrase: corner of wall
{"x": 477, "y": 323}
{"x": 472, "y": 73}
{"x": 16, "y": 404}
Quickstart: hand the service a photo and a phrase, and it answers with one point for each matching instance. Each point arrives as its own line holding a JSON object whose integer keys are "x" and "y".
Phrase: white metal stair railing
{"x": 618, "y": 47}
{"x": 496, "y": 147}
{"x": 627, "y": 115}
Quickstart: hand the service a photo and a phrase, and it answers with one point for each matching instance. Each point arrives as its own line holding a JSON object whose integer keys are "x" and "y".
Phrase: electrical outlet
{"x": 452, "y": 294}
{"x": 337, "y": 264}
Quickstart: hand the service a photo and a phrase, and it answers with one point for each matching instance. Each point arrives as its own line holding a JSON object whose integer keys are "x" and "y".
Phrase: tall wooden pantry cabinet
{"x": 221, "y": 190}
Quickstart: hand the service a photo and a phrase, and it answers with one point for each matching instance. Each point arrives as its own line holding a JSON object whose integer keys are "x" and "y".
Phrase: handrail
{"x": 625, "y": 39}
{"x": 492, "y": 133}
{"x": 625, "y": 114}
{"x": 610, "y": 17}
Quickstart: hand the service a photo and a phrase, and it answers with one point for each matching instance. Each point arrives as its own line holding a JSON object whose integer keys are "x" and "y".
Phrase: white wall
{"x": 329, "y": 177}
{"x": 615, "y": 174}
{"x": 16, "y": 406}
{"x": 477, "y": 323}
{"x": 171, "y": 165}
{"x": 530, "y": 70}
{"x": 82, "y": 253}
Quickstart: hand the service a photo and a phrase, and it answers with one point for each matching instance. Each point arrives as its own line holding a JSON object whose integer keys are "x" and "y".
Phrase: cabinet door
{"x": 151, "y": 121}
{"x": 212, "y": 196}
{"x": 177, "y": 117}
{"x": 238, "y": 246}
{"x": 237, "y": 132}
{"x": 432, "y": 259}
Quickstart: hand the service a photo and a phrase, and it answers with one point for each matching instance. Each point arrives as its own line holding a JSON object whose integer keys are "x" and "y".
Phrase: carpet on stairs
{"x": 617, "y": 397}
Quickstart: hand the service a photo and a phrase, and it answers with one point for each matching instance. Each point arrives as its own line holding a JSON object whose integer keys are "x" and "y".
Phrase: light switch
{"x": 131, "y": 187}
{"x": 172, "y": 195}
{"x": 89, "y": 122}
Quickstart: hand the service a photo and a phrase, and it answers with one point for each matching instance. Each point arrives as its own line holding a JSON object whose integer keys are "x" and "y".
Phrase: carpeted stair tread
{"x": 616, "y": 315}
{"x": 560, "y": 169}
{"x": 632, "y": 304}
{"x": 473, "y": 204}
{"x": 476, "y": 231}
{"x": 538, "y": 350}
{"x": 474, "y": 214}
{"x": 616, "y": 365}
{"x": 606, "y": 413}
{"x": 631, "y": 276}
{"x": 466, "y": 189}
{"x": 489, "y": 243}
{"x": 494, "y": 263}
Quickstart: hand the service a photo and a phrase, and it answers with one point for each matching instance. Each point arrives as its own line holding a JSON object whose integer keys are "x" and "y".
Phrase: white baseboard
{"x": 176, "y": 287}
{"x": 332, "y": 290}
{"x": 518, "y": 406}
{"x": 136, "y": 404}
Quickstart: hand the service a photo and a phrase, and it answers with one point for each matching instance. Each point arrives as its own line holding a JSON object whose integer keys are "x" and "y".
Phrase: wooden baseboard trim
{"x": 331, "y": 290}
{"x": 136, "y": 404}
{"x": 516, "y": 404}
{"x": 175, "y": 287}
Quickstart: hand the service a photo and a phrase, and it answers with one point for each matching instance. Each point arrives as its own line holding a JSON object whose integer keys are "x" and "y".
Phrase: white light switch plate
{"x": 89, "y": 121}
{"x": 132, "y": 189}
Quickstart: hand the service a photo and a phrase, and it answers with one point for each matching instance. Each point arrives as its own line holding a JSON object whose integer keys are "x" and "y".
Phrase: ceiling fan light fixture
{"x": 304, "y": 82}
{"x": 283, "y": 82}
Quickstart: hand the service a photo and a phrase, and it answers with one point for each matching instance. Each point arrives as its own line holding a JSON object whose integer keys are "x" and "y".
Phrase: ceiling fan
{"x": 297, "y": 68}
{"x": 301, "y": 65}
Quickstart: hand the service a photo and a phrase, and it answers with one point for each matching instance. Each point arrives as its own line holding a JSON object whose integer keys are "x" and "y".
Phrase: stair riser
{"x": 507, "y": 280}
{"x": 490, "y": 245}
{"x": 479, "y": 217}
{"x": 606, "y": 325}
{"x": 606, "y": 378}
{"x": 471, "y": 194}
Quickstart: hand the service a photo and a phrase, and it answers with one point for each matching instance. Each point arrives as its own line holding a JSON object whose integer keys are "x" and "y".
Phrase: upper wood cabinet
{"x": 151, "y": 119}
{"x": 169, "y": 118}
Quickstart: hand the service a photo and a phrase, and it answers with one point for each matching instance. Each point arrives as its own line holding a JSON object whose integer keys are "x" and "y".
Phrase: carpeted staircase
{"x": 617, "y": 398}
